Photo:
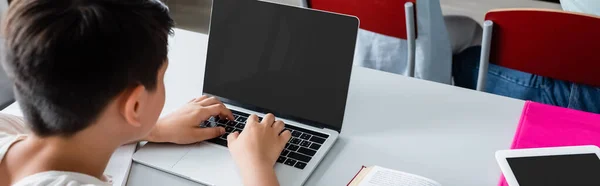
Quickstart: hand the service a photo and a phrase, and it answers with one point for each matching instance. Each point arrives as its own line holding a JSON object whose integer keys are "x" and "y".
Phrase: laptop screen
{"x": 290, "y": 61}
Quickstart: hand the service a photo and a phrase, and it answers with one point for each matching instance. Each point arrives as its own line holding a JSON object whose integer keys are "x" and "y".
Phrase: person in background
{"x": 433, "y": 52}
{"x": 88, "y": 76}
{"x": 581, "y": 6}
{"x": 439, "y": 37}
{"x": 525, "y": 86}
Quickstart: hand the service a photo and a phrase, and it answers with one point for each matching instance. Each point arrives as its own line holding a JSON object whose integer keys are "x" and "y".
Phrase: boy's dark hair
{"x": 70, "y": 58}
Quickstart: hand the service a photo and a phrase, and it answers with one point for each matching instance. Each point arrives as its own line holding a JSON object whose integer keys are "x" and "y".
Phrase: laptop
{"x": 269, "y": 58}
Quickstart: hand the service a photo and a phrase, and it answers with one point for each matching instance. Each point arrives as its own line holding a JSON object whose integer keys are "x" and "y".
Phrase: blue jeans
{"x": 525, "y": 86}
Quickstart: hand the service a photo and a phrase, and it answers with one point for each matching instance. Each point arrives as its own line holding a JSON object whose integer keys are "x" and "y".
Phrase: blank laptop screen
{"x": 559, "y": 170}
{"x": 287, "y": 60}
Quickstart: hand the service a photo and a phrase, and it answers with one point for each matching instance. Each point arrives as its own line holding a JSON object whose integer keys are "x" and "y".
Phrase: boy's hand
{"x": 260, "y": 144}
{"x": 182, "y": 126}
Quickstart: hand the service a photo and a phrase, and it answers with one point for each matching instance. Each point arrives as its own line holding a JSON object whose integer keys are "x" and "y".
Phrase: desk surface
{"x": 445, "y": 133}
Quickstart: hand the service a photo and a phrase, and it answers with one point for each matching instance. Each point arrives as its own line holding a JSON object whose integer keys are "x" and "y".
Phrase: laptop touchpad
{"x": 210, "y": 164}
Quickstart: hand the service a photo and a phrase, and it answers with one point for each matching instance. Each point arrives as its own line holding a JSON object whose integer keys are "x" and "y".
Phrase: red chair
{"x": 554, "y": 44}
{"x": 394, "y": 18}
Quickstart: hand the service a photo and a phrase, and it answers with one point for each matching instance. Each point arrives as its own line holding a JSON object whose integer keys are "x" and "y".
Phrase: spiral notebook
{"x": 550, "y": 126}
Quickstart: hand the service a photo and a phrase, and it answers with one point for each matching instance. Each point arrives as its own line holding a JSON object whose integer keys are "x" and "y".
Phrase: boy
{"x": 88, "y": 76}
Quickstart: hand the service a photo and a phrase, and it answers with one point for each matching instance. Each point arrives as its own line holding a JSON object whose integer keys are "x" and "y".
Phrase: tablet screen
{"x": 577, "y": 169}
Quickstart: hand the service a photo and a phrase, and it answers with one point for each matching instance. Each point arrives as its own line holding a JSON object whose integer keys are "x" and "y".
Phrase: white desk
{"x": 441, "y": 132}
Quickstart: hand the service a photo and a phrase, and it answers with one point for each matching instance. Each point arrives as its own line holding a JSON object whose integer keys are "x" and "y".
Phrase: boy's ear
{"x": 131, "y": 107}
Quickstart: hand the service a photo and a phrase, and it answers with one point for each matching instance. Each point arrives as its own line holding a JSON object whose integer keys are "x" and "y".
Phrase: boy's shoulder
{"x": 6, "y": 140}
{"x": 50, "y": 178}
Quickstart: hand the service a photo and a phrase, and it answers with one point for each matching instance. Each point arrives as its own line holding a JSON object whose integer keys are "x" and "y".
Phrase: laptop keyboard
{"x": 303, "y": 144}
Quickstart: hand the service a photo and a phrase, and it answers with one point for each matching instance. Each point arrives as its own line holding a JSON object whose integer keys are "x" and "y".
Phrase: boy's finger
{"x": 285, "y": 137}
{"x": 212, "y": 110}
{"x": 210, "y": 101}
{"x": 209, "y": 133}
{"x": 232, "y": 137}
{"x": 252, "y": 119}
{"x": 219, "y": 110}
{"x": 268, "y": 119}
{"x": 226, "y": 113}
{"x": 278, "y": 126}
{"x": 201, "y": 98}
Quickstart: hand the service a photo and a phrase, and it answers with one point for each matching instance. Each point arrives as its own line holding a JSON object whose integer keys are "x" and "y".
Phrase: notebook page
{"x": 379, "y": 176}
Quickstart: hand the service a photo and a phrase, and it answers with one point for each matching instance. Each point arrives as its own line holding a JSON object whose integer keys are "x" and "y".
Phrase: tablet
{"x": 558, "y": 166}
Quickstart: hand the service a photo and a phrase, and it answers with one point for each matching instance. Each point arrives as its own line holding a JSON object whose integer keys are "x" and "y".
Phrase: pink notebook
{"x": 550, "y": 126}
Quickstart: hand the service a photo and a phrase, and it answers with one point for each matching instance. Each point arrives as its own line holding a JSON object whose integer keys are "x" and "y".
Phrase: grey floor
{"x": 194, "y": 15}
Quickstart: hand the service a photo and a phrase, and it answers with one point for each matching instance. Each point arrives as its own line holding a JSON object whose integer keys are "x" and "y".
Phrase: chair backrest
{"x": 386, "y": 17}
{"x": 555, "y": 44}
